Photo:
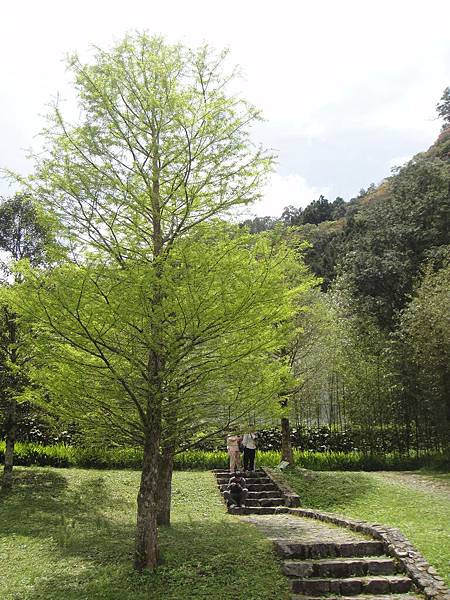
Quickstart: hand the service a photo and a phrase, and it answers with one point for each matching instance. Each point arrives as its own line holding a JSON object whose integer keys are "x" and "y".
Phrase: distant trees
{"x": 401, "y": 224}
{"x": 291, "y": 216}
{"x": 259, "y": 224}
{"x": 443, "y": 107}
{"x": 376, "y": 358}
{"x": 425, "y": 338}
{"x": 24, "y": 235}
{"x": 318, "y": 211}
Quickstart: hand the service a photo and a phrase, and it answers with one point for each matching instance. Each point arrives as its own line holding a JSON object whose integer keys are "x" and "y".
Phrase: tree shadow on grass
{"x": 73, "y": 521}
{"x": 81, "y": 546}
{"x": 32, "y": 490}
{"x": 34, "y": 482}
{"x": 202, "y": 560}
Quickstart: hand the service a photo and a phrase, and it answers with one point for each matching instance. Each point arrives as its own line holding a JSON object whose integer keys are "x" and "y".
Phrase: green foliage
{"x": 259, "y": 224}
{"x": 25, "y": 231}
{"x": 165, "y": 309}
{"x": 359, "y": 461}
{"x": 402, "y": 223}
{"x": 318, "y": 211}
{"x": 25, "y": 235}
{"x": 69, "y": 534}
{"x": 326, "y": 240}
{"x": 422, "y": 353}
{"x": 218, "y": 333}
{"x": 61, "y": 455}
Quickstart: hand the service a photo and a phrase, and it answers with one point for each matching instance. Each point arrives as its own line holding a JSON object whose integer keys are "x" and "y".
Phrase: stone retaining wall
{"x": 291, "y": 498}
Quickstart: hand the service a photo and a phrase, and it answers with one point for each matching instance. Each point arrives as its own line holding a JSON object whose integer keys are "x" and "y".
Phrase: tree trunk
{"x": 165, "y": 485}
{"x": 11, "y": 416}
{"x": 286, "y": 446}
{"x": 11, "y": 427}
{"x": 146, "y": 548}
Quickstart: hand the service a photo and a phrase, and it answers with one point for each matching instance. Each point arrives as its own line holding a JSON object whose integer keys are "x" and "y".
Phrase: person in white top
{"x": 249, "y": 443}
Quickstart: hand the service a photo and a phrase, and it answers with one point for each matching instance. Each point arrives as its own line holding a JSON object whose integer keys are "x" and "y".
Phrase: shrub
{"x": 61, "y": 455}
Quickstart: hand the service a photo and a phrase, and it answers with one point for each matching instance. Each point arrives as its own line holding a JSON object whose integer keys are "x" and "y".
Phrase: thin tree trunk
{"x": 286, "y": 446}
{"x": 165, "y": 485}
{"x": 11, "y": 428}
{"x": 11, "y": 416}
{"x": 166, "y": 457}
{"x": 146, "y": 548}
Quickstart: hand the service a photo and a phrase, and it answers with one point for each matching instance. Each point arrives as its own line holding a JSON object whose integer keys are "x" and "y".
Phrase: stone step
{"x": 264, "y": 502}
{"x": 255, "y": 487}
{"x": 225, "y": 472}
{"x": 360, "y": 597}
{"x": 256, "y": 495}
{"x": 248, "y": 480}
{"x": 352, "y": 586}
{"x": 258, "y": 510}
{"x": 340, "y": 567}
{"x": 289, "y": 549}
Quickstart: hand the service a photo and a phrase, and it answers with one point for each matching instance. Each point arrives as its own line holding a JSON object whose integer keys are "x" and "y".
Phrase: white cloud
{"x": 316, "y": 69}
{"x": 282, "y": 191}
{"x": 399, "y": 161}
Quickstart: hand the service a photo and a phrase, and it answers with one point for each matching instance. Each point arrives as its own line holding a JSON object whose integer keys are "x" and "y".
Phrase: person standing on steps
{"x": 236, "y": 492}
{"x": 249, "y": 443}
{"x": 233, "y": 442}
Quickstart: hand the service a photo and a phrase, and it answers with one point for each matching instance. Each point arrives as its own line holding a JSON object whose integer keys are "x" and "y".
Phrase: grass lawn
{"x": 417, "y": 503}
{"x": 67, "y": 534}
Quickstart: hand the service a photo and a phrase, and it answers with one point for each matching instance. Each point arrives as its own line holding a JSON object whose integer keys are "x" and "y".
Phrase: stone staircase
{"x": 322, "y": 561}
{"x": 264, "y": 496}
{"x": 356, "y": 570}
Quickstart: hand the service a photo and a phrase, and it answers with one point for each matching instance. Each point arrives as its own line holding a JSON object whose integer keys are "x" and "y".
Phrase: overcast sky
{"x": 348, "y": 88}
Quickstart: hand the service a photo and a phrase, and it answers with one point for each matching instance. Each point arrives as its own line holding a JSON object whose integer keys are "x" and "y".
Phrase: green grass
{"x": 422, "y": 514}
{"x": 67, "y": 534}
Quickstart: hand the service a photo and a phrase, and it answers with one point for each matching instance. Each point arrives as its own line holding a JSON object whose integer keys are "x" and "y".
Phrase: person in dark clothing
{"x": 249, "y": 443}
{"x": 236, "y": 492}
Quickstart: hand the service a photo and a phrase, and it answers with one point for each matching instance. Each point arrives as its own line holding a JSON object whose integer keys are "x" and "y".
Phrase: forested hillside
{"x": 376, "y": 340}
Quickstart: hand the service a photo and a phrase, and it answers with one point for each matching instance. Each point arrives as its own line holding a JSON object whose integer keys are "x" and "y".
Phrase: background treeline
{"x": 374, "y": 365}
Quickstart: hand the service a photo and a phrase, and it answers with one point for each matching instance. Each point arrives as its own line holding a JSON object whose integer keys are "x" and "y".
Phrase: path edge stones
{"x": 395, "y": 543}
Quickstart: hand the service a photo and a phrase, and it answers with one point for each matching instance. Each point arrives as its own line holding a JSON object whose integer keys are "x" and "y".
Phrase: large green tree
{"x": 162, "y": 146}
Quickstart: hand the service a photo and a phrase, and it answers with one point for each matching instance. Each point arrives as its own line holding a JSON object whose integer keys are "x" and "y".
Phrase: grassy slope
{"x": 422, "y": 515}
{"x": 68, "y": 534}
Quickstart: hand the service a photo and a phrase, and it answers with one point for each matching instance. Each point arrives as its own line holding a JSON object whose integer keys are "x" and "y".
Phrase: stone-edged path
{"x": 332, "y": 562}
{"x": 321, "y": 560}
